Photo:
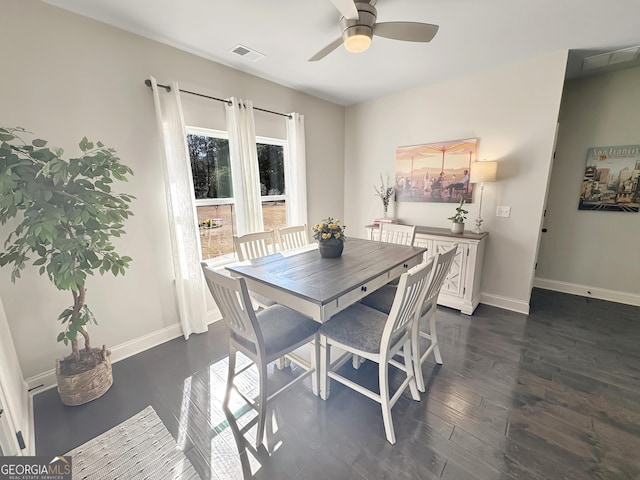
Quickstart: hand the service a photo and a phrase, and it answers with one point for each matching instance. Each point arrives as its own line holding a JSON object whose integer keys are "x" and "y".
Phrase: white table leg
{"x": 325, "y": 364}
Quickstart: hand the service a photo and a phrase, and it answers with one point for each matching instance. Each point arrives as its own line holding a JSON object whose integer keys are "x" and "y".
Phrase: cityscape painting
{"x": 611, "y": 179}
{"x": 435, "y": 172}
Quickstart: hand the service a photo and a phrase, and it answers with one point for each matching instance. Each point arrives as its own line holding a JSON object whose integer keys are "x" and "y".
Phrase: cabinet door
{"x": 424, "y": 242}
{"x": 454, "y": 283}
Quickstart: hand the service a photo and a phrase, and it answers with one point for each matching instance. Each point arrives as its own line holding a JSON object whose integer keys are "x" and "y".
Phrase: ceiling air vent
{"x": 247, "y": 53}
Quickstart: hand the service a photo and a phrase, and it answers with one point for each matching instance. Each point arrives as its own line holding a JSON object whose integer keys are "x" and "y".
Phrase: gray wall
{"x": 592, "y": 251}
{"x": 513, "y": 110}
{"x": 65, "y": 76}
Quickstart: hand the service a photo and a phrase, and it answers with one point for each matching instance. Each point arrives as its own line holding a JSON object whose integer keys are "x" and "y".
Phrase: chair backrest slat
{"x": 398, "y": 234}
{"x": 407, "y": 302}
{"x": 254, "y": 245}
{"x": 292, "y": 237}
{"x": 232, "y": 297}
{"x": 441, "y": 265}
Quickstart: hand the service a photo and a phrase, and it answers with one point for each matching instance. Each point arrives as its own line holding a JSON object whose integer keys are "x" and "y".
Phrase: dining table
{"x": 321, "y": 287}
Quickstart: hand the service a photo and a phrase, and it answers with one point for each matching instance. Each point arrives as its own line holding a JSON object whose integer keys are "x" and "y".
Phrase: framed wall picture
{"x": 611, "y": 179}
{"x": 435, "y": 172}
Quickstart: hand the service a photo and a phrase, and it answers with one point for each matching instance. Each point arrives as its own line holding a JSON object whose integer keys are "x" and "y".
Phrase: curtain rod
{"x": 168, "y": 89}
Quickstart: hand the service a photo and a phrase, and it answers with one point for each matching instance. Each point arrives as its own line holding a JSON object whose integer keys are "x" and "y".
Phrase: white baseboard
{"x": 46, "y": 380}
{"x": 505, "y": 302}
{"x": 587, "y": 291}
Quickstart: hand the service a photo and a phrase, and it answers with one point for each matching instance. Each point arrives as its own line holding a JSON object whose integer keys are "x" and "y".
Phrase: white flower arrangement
{"x": 385, "y": 191}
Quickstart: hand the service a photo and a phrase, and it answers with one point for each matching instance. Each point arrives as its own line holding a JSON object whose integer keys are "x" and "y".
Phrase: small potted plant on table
{"x": 330, "y": 237}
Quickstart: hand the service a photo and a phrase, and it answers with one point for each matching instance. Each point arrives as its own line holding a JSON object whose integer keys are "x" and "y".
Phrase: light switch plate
{"x": 503, "y": 211}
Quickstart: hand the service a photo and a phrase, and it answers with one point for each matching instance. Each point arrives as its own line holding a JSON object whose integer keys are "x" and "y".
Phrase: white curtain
{"x": 244, "y": 166}
{"x": 295, "y": 171}
{"x": 183, "y": 221}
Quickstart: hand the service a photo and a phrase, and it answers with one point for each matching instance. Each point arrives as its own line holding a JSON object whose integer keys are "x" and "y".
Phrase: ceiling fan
{"x": 358, "y": 25}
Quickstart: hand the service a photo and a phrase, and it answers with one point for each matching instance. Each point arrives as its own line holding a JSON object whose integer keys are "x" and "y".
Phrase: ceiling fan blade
{"x": 407, "y": 31}
{"x": 347, "y": 8}
{"x": 326, "y": 50}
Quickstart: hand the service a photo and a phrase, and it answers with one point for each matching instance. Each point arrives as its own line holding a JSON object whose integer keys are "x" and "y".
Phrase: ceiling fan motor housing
{"x": 363, "y": 25}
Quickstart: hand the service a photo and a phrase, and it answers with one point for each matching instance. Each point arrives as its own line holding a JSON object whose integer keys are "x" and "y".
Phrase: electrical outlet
{"x": 503, "y": 211}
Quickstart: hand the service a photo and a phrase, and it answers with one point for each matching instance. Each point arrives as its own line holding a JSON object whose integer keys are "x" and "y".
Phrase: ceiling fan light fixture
{"x": 356, "y": 34}
{"x": 357, "y": 43}
{"x": 358, "y": 31}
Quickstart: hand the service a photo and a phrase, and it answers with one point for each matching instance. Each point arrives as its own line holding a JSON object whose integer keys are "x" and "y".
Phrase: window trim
{"x": 213, "y": 133}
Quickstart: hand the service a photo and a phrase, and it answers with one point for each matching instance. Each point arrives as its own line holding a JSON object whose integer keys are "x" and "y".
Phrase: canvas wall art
{"x": 435, "y": 172}
{"x": 610, "y": 181}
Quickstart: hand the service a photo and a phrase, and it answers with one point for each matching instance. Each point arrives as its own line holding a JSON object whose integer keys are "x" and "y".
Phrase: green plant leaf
{"x": 85, "y": 144}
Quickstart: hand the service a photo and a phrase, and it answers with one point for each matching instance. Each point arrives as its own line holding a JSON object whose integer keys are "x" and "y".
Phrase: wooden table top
{"x": 322, "y": 280}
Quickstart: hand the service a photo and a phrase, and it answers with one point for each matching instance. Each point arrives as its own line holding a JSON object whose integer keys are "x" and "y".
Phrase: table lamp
{"x": 482, "y": 172}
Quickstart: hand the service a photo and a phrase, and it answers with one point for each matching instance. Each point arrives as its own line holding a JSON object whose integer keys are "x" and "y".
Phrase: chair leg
{"x": 409, "y": 367}
{"x": 230, "y": 375}
{"x": 268, "y": 425}
{"x": 315, "y": 363}
{"x": 415, "y": 352}
{"x": 262, "y": 402}
{"x": 383, "y": 369}
{"x": 325, "y": 364}
{"x": 434, "y": 338}
{"x": 282, "y": 363}
{"x": 356, "y": 361}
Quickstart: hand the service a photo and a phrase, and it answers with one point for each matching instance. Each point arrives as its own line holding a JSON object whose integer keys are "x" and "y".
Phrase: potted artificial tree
{"x": 66, "y": 216}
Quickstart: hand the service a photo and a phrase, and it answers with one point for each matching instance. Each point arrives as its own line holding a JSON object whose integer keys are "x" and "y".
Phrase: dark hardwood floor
{"x": 551, "y": 395}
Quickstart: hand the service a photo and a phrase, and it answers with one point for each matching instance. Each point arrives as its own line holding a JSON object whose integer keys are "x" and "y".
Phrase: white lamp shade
{"x": 483, "y": 172}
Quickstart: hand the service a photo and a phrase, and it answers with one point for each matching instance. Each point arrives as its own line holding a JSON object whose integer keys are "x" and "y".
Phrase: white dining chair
{"x": 251, "y": 246}
{"x": 292, "y": 237}
{"x": 441, "y": 266}
{"x": 398, "y": 234}
{"x": 370, "y": 334}
{"x": 254, "y": 245}
{"x": 263, "y": 337}
{"x": 382, "y": 300}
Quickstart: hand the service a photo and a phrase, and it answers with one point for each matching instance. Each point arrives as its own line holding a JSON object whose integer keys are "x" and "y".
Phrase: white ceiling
{"x": 474, "y": 35}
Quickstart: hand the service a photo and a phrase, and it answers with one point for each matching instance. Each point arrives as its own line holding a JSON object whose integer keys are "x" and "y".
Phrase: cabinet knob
{"x": 363, "y": 288}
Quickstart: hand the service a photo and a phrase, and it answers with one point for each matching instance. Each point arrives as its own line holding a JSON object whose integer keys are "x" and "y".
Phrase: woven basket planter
{"x": 86, "y": 386}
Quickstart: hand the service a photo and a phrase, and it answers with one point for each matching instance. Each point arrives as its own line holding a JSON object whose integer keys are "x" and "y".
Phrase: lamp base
{"x": 478, "y": 228}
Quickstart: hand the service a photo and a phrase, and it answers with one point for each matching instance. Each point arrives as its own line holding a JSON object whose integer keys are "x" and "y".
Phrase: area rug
{"x": 138, "y": 448}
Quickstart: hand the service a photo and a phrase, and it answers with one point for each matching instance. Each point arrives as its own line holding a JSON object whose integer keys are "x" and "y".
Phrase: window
{"x": 211, "y": 170}
{"x": 272, "y": 187}
{"x": 210, "y": 166}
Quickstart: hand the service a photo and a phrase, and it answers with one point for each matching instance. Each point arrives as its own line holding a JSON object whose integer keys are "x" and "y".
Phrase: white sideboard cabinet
{"x": 461, "y": 289}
